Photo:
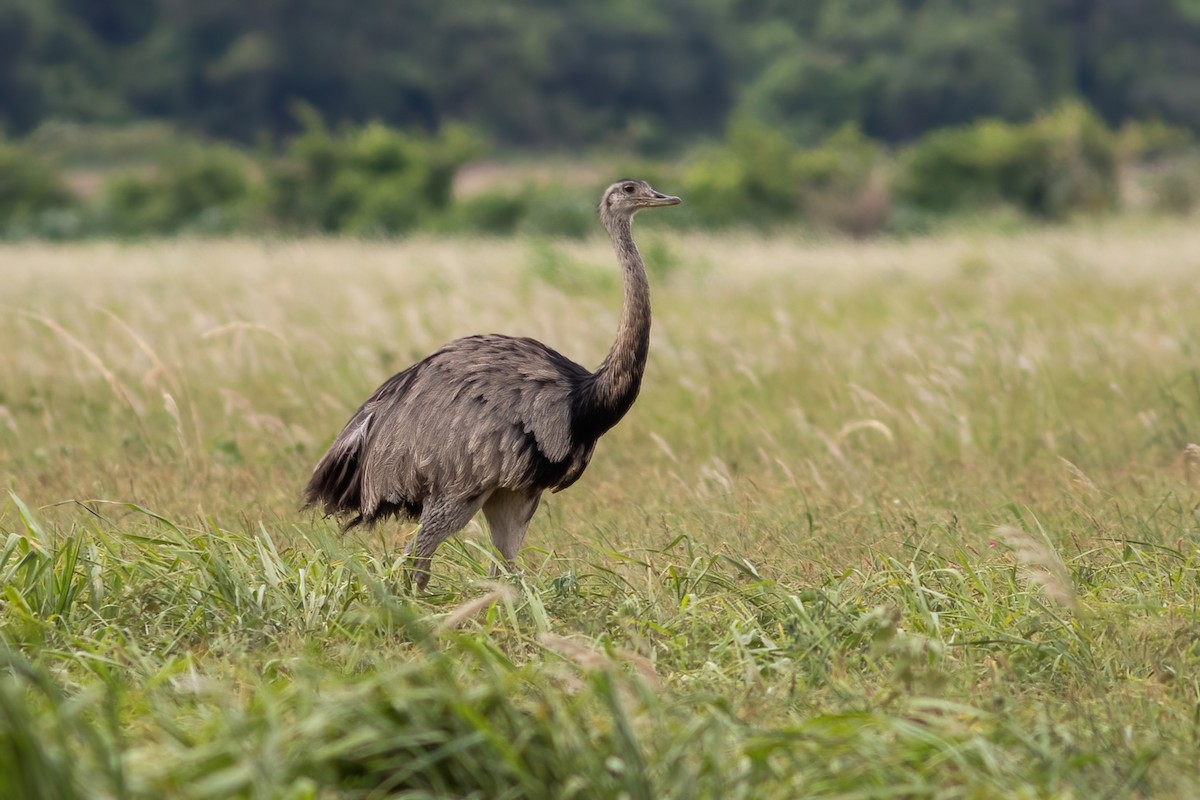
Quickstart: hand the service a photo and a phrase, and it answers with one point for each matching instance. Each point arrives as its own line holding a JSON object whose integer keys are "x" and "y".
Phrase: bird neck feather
{"x": 613, "y": 387}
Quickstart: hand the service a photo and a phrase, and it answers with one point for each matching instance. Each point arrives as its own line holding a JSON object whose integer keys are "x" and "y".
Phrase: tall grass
{"x": 889, "y": 519}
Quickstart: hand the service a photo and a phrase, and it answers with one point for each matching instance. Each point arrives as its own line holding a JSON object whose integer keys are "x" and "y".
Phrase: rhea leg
{"x": 508, "y": 514}
{"x": 441, "y": 518}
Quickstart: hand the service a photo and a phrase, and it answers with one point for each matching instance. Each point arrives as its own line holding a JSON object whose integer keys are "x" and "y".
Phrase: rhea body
{"x": 490, "y": 422}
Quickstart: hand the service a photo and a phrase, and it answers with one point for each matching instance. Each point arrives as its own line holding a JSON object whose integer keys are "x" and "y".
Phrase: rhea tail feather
{"x": 336, "y": 486}
{"x": 336, "y": 483}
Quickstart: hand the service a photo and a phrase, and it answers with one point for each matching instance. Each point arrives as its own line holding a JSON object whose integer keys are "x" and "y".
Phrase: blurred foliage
{"x": 195, "y": 191}
{"x": 491, "y": 212}
{"x": 368, "y": 180}
{"x": 1154, "y": 140}
{"x": 27, "y": 183}
{"x": 650, "y": 77}
{"x": 760, "y": 176}
{"x": 748, "y": 177}
{"x": 373, "y": 180}
{"x": 841, "y": 184}
{"x": 76, "y": 145}
{"x": 1174, "y": 187}
{"x": 31, "y": 190}
{"x": 853, "y": 116}
{"x": 559, "y": 212}
{"x": 1170, "y": 174}
{"x": 1063, "y": 162}
{"x": 549, "y": 264}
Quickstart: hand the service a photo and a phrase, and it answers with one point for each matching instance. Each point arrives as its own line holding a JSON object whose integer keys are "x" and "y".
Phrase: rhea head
{"x": 626, "y": 198}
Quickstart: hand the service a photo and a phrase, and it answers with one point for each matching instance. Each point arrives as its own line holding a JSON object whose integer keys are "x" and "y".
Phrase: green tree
{"x": 574, "y": 73}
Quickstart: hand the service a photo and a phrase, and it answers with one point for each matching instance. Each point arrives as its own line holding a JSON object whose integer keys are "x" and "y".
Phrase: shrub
{"x": 839, "y": 183}
{"x": 29, "y": 188}
{"x": 1162, "y": 161}
{"x": 1154, "y": 141}
{"x": 557, "y": 212}
{"x": 749, "y": 180}
{"x": 1062, "y": 162}
{"x": 760, "y": 177}
{"x": 198, "y": 189}
{"x": 371, "y": 179}
{"x": 494, "y": 213}
{"x": 379, "y": 208}
{"x": 1174, "y": 186}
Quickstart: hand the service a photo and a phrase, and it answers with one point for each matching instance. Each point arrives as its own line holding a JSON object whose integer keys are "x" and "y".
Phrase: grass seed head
{"x": 1042, "y": 566}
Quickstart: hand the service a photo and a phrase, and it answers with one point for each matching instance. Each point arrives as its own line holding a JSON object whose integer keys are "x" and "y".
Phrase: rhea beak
{"x": 660, "y": 199}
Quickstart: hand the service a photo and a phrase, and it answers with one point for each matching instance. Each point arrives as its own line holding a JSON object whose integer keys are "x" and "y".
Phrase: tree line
{"x": 576, "y": 73}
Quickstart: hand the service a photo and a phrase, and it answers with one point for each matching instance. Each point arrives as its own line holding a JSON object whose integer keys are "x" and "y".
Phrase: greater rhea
{"x": 489, "y": 422}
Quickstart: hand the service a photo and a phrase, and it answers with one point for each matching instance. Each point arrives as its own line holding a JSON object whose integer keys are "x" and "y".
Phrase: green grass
{"x": 888, "y": 520}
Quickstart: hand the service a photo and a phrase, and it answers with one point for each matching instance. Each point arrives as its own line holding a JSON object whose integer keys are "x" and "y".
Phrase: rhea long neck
{"x": 613, "y": 387}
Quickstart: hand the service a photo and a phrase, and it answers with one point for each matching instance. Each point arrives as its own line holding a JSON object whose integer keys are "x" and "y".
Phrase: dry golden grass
{"x": 268, "y": 346}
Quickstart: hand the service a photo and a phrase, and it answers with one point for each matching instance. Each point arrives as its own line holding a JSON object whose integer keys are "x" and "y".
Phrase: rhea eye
{"x": 628, "y": 188}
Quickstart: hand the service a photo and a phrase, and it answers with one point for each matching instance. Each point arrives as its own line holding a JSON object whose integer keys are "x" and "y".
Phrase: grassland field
{"x": 890, "y": 519}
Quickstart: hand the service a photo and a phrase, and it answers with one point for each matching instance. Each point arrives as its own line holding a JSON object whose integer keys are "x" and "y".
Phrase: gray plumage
{"x": 489, "y": 422}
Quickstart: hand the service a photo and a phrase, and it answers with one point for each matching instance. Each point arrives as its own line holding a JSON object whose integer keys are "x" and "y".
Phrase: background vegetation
{"x": 135, "y": 117}
{"x": 573, "y": 74}
{"x": 906, "y": 518}
{"x": 373, "y": 180}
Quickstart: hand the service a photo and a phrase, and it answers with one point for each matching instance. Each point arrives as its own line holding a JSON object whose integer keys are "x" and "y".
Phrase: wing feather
{"x": 482, "y": 412}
